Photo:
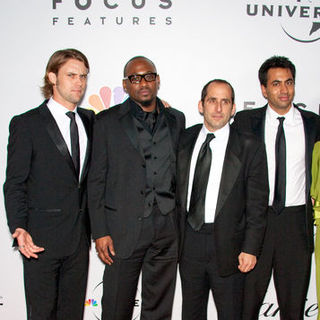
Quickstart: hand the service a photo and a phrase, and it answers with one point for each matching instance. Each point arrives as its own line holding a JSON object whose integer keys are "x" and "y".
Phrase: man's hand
{"x": 165, "y": 103}
{"x": 246, "y": 262}
{"x": 25, "y": 243}
{"x": 104, "y": 245}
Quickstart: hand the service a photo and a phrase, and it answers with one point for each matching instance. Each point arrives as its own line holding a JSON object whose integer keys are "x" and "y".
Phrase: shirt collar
{"x": 57, "y": 109}
{"x": 220, "y": 134}
{"x": 290, "y": 116}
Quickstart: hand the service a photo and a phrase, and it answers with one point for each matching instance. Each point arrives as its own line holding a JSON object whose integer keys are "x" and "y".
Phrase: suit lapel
{"x": 55, "y": 135}
{"x": 87, "y": 126}
{"x": 172, "y": 125}
{"x": 187, "y": 141}
{"x": 310, "y": 137}
{"x": 126, "y": 120}
{"x": 230, "y": 171}
{"x": 258, "y": 123}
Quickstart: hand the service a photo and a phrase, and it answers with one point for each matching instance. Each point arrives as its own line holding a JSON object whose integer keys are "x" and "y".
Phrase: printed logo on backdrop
{"x": 1, "y": 301}
{"x": 110, "y": 13}
{"x": 252, "y": 104}
{"x": 105, "y": 97}
{"x": 298, "y": 19}
{"x": 271, "y": 310}
{"x": 94, "y": 303}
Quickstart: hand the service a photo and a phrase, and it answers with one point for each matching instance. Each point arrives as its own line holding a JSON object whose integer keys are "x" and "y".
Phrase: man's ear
{"x": 124, "y": 86}
{"x": 233, "y": 111}
{"x": 264, "y": 91}
{"x": 200, "y": 107}
{"x": 158, "y": 82}
{"x": 52, "y": 78}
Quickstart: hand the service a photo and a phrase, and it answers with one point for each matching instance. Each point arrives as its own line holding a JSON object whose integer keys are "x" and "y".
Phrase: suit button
{"x": 155, "y": 172}
{"x": 141, "y": 192}
{"x": 139, "y": 219}
{"x": 154, "y": 142}
{"x": 155, "y": 158}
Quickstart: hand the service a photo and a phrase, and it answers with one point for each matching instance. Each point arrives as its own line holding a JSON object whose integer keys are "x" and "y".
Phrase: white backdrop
{"x": 190, "y": 41}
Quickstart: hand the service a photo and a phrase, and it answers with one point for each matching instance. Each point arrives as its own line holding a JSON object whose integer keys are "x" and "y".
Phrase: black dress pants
{"x": 55, "y": 287}
{"x": 284, "y": 253}
{"x": 156, "y": 256}
{"x": 199, "y": 275}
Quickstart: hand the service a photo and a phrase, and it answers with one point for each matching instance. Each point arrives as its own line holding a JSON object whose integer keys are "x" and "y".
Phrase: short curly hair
{"x": 275, "y": 62}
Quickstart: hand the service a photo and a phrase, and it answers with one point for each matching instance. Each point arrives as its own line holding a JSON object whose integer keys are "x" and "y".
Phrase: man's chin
{"x": 146, "y": 103}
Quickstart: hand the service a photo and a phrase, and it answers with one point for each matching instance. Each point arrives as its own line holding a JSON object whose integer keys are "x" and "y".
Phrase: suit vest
{"x": 156, "y": 149}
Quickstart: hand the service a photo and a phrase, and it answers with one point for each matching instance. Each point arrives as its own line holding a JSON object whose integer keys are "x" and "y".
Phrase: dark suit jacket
{"x": 253, "y": 121}
{"x": 240, "y": 216}
{"x": 42, "y": 193}
{"x": 117, "y": 177}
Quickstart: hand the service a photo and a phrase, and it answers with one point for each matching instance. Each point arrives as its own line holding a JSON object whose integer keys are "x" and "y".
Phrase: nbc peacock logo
{"x": 102, "y": 100}
{"x": 93, "y": 305}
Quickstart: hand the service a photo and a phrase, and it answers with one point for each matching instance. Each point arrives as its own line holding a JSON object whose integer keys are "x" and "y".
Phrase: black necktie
{"x": 199, "y": 185}
{"x": 279, "y": 197}
{"x": 150, "y": 119}
{"x": 74, "y": 134}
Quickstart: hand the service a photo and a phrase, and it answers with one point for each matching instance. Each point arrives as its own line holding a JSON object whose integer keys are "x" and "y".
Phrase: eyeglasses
{"x": 137, "y": 78}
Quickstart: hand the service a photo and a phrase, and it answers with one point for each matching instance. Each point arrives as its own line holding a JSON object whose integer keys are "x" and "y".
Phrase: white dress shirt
{"x": 58, "y": 111}
{"x": 295, "y": 154}
{"x": 218, "y": 148}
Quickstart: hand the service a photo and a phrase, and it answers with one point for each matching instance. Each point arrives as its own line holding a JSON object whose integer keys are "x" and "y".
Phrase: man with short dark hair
{"x": 45, "y": 191}
{"x": 289, "y": 134}
{"x": 132, "y": 197}
{"x": 222, "y": 195}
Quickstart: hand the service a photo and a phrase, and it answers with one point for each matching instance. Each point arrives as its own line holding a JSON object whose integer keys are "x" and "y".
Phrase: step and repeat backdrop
{"x": 190, "y": 41}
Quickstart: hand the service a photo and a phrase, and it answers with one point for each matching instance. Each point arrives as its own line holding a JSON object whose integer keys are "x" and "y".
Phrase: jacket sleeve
{"x": 17, "y": 174}
{"x": 97, "y": 180}
{"x": 257, "y": 201}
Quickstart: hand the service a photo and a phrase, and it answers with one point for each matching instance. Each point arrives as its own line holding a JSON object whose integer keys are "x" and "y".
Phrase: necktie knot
{"x": 150, "y": 119}
{"x": 281, "y": 119}
{"x": 209, "y": 137}
{"x": 71, "y": 115}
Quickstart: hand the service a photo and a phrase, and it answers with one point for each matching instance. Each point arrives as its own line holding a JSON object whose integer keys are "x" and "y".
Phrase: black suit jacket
{"x": 253, "y": 121}
{"x": 240, "y": 216}
{"x": 42, "y": 193}
{"x": 117, "y": 177}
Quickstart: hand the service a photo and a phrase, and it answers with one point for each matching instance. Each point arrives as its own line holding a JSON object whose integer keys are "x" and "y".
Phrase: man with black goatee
{"x": 132, "y": 197}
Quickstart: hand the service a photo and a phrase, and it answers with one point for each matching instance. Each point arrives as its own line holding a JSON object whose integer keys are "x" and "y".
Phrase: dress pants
{"x": 199, "y": 275}
{"x": 156, "y": 256}
{"x": 285, "y": 253}
{"x": 55, "y": 287}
